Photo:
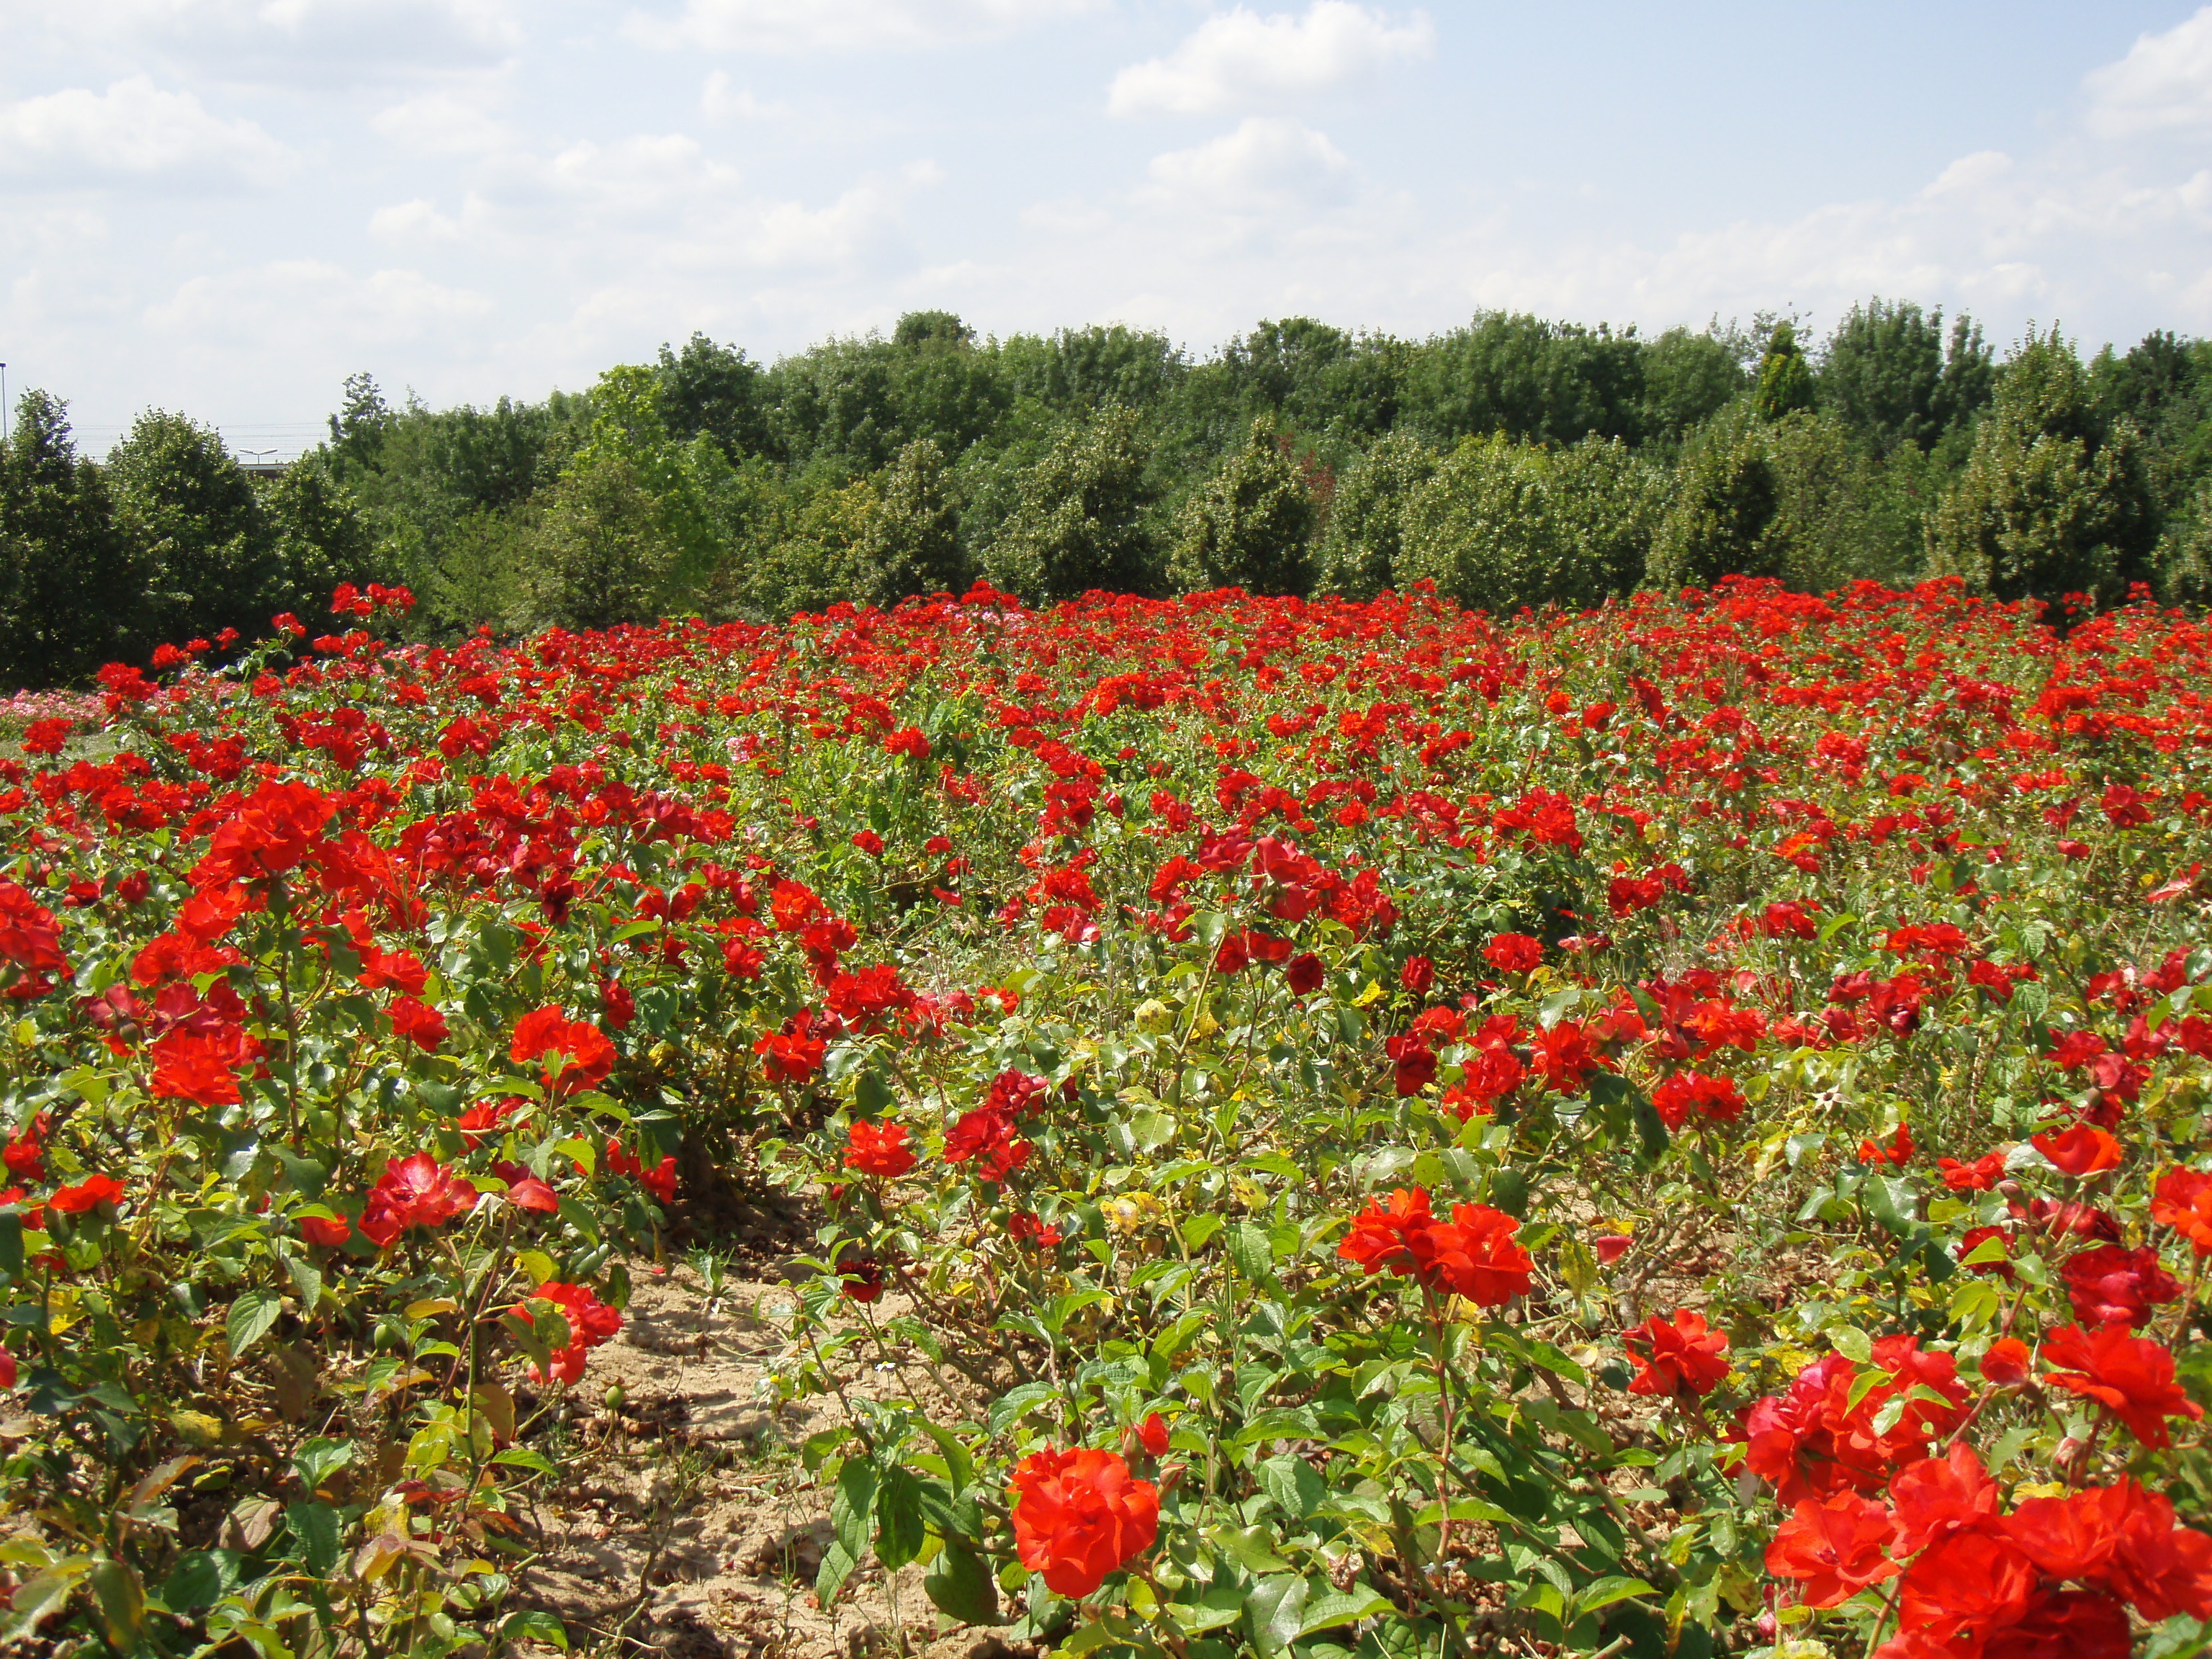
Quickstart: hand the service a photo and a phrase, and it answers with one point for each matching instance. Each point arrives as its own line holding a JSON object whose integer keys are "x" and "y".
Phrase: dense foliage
{"x": 1512, "y": 462}
{"x": 1350, "y": 1128}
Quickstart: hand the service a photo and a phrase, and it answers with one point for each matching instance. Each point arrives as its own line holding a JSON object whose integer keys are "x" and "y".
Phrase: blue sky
{"x": 224, "y": 206}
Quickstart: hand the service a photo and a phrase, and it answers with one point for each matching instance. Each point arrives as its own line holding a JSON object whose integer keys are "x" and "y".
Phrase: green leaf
{"x": 854, "y": 1505}
{"x": 1220, "y": 1604}
{"x": 308, "y": 1279}
{"x": 1603, "y": 1594}
{"x": 1249, "y": 1247}
{"x": 837, "y": 1565}
{"x": 898, "y": 1517}
{"x": 122, "y": 1601}
{"x": 315, "y": 1529}
{"x": 317, "y": 1460}
{"x": 1250, "y": 1547}
{"x": 962, "y": 1587}
{"x": 1342, "y": 1607}
{"x": 1275, "y": 1611}
{"x": 534, "y": 1625}
{"x": 43, "y": 1593}
{"x": 250, "y": 1319}
{"x": 959, "y": 1465}
{"x": 1852, "y": 1343}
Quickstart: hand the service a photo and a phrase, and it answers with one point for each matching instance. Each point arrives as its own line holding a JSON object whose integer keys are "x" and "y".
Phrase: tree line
{"x": 1512, "y": 462}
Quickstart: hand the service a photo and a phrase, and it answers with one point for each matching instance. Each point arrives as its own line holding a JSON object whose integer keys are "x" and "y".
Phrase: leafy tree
{"x": 1886, "y": 375}
{"x": 835, "y": 402}
{"x": 1722, "y": 519}
{"x": 2162, "y": 386}
{"x": 816, "y": 561}
{"x": 63, "y": 578}
{"x": 1090, "y": 368}
{"x": 195, "y": 529}
{"x": 1247, "y": 526}
{"x": 716, "y": 390}
{"x": 944, "y": 388}
{"x": 1079, "y": 520}
{"x": 1687, "y": 379}
{"x": 1786, "y": 380}
{"x": 1504, "y": 524}
{"x": 1527, "y": 378}
{"x": 318, "y": 537}
{"x": 1361, "y": 548}
{"x": 599, "y": 552}
{"x": 2050, "y": 503}
{"x": 911, "y": 542}
{"x": 363, "y": 421}
{"x": 1840, "y": 514}
{"x": 481, "y": 576}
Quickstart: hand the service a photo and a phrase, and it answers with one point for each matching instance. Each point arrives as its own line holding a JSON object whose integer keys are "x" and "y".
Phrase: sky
{"x": 225, "y": 206}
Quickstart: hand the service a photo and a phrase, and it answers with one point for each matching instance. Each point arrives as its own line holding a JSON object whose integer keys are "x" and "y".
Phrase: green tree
{"x": 2050, "y": 503}
{"x": 599, "y": 552}
{"x": 1360, "y": 549}
{"x": 318, "y": 537}
{"x": 1687, "y": 379}
{"x": 1079, "y": 520}
{"x": 1504, "y": 524}
{"x": 194, "y": 527}
{"x": 1721, "y": 521}
{"x": 713, "y": 389}
{"x": 1785, "y": 379}
{"x": 1248, "y": 525}
{"x": 911, "y": 542}
{"x": 63, "y": 575}
{"x": 1886, "y": 375}
{"x": 1527, "y": 378}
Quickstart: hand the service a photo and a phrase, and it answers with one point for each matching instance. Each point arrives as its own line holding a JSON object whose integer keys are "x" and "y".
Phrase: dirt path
{"x": 689, "y": 1526}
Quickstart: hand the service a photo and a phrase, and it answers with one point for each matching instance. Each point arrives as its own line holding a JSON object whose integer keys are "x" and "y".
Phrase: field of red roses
{"x": 1680, "y": 1130}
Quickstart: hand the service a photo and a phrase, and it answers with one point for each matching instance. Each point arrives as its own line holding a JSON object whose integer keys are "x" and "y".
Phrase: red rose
{"x": 1677, "y": 1356}
{"x": 2116, "y": 1286}
{"x": 2183, "y": 1201}
{"x": 2131, "y": 1376}
{"x": 1418, "y": 976}
{"x": 1514, "y": 953}
{"x": 879, "y": 1150}
{"x": 2006, "y": 1362}
{"x": 413, "y": 1192}
{"x": 1939, "y": 1496}
{"x": 1305, "y": 973}
{"x": 2083, "y": 1150}
{"x": 1080, "y": 1515}
{"x": 1834, "y": 1550}
{"x": 272, "y": 833}
{"x": 316, "y": 1230}
{"x": 89, "y": 1194}
{"x": 525, "y": 1190}
{"x": 419, "y": 1022}
{"x": 575, "y": 1055}
{"x": 590, "y": 1322}
{"x": 1476, "y": 1255}
{"x": 1972, "y": 1581}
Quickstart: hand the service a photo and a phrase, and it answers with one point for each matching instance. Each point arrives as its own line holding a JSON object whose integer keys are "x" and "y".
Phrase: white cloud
{"x": 1239, "y": 58}
{"x": 2163, "y": 85}
{"x": 1267, "y": 162}
{"x": 801, "y": 26}
{"x": 133, "y": 131}
{"x": 288, "y": 42}
{"x": 313, "y": 305}
{"x": 721, "y": 100}
{"x": 418, "y": 223}
{"x": 441, "y": 124}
